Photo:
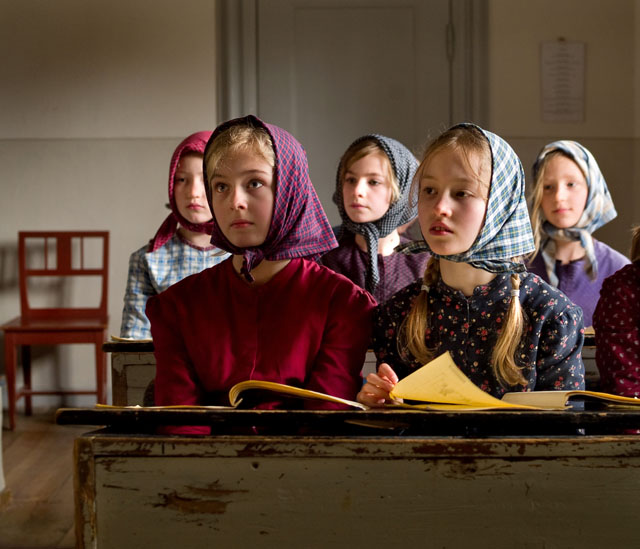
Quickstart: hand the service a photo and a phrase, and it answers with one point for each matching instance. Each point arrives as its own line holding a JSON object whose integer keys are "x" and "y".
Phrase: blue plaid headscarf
{"x": 506, "y": 233}
{"x": 299, "y": 226}
{"x": 404, "y": 166}
{"x": 598, "y": 210}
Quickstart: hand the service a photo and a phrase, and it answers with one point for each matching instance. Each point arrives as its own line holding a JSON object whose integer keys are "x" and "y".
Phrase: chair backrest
{"x": 62, "y": 254}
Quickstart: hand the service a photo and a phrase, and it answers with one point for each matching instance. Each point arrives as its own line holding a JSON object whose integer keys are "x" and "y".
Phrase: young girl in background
{"x": 181, "y": 246}
{"x": 372, "y": 187}
{"x": 269, "y": 312}
{"x": 570, "y": 201}
{"x": 617, "y": 324}
{"x": 506, "y": 329}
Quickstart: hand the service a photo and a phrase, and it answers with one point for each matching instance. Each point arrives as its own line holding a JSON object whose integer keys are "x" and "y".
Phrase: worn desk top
{"x": 361, "y": 423}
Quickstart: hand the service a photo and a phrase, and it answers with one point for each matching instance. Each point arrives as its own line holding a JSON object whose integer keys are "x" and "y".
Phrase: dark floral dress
{"x": 550, "y": 351}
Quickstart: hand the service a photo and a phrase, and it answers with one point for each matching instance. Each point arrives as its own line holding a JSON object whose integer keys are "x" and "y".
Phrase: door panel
{"x": 331, "y": 71}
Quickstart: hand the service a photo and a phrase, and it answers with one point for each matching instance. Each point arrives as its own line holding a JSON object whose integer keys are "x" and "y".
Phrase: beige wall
{"x": 611, "y": 126}
{"x": 95, "y": 95}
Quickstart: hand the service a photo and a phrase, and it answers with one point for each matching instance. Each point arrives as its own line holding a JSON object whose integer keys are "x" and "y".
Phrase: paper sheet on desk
{"x": 441, "y": 381}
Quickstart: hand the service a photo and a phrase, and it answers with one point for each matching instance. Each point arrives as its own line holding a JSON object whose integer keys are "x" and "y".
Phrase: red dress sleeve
{"x": 345, "y": 340}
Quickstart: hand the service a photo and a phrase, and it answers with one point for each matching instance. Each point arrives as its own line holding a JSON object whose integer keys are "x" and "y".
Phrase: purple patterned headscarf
{"x": 299, "y": 226}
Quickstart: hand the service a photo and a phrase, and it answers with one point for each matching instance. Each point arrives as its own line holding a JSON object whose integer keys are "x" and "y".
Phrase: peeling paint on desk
{"x": 318, "y": 492}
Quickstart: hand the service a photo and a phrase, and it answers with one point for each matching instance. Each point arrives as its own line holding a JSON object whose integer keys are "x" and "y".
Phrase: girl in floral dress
{"x": 506, "y": 329}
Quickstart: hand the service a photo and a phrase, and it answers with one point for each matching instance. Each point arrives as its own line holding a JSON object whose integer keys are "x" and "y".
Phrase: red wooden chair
{"x": 60, "y": 254}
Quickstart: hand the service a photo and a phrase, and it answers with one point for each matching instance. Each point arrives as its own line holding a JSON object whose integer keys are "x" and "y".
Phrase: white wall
{"x": 611, "y": 126}
{"x": 95, "y": 96}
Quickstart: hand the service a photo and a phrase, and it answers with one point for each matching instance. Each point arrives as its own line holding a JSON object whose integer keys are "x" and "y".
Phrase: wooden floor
{"x": 37, "y": 509}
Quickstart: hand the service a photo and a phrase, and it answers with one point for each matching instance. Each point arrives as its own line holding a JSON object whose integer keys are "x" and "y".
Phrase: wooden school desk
{"x": 133, "y": 366}
{"x": 358, "y": 479}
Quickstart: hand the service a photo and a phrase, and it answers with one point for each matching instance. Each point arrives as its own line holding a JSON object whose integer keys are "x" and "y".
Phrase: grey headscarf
{"x": 598, "y": 210}
{"x": 404, "y": 166}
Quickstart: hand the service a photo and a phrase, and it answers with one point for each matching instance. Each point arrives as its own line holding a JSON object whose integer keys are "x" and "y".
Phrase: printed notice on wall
{"x": 562, "y": 65}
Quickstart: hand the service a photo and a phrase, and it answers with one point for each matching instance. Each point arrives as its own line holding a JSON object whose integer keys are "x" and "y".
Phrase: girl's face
{"x": 189, "y": 191}
{"x": 452, "y": 200}
{"x": 564, "y": 192}
{"x": 366, "y": 189}
{"x": 242, "y": 194}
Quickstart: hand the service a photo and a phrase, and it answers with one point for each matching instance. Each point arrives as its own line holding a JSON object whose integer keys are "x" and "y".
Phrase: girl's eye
{"x": 349, "y": 180}
{"x": 571, "y": 184}
{"x": 220, "y": 187}
{"x": 429, "y": 191}
{"x": 374, "y": 182}
{"x": 255, "y": 184}
{"x": 179, "y": 179}
{"x": 462, "y": 194}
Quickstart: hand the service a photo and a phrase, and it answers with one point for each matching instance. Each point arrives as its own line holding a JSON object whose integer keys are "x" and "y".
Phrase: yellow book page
{"x": 441, "y": 381}
{"x": 236, "y": 390}
{"x": 559, "y": 399}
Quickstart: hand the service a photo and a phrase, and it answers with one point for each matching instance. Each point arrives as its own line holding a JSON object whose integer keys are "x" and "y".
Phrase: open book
{"x": 239, "y": 389}
{"x": 438, "y": 385}
{"x": 441, "y": 385}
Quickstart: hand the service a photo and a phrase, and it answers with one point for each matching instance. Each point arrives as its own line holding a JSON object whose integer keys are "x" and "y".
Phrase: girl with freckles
{"x": 269, "y": 312}
{"x": 506, "y": 329}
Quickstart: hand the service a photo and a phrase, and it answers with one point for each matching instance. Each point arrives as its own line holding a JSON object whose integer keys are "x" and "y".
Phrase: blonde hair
{"x": 535, "y": 199}
{"x": 414, "y": 328}
{"x": 364, "y": 148}
{"x": 635, "y": 243}
{"x": 238, "y": 138}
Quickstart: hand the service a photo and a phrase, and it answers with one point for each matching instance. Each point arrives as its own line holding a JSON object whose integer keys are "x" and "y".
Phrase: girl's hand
{"x": 375, "y": 392}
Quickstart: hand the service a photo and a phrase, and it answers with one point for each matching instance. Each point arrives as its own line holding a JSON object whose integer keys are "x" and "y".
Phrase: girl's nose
{"x": 238, "y": 199}
{"x": 196, "y": 187}
{"x": 442, "y": 206}
{"x": 360, "y": 189}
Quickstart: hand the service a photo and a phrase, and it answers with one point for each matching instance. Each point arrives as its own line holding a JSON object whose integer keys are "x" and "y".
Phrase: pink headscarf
{"x": 195, "y": 143}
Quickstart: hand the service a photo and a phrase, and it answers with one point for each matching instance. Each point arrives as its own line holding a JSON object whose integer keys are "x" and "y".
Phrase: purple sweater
{"x": 574, "y": 282}
{"x": 396, "y": 270}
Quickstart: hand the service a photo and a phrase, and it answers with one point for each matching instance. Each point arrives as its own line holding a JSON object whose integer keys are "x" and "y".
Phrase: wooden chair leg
{"x": 25, "y": 351}
{"x": 10, "y": 371}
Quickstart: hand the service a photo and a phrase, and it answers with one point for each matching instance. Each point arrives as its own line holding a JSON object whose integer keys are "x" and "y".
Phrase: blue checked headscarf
{"x": 299, "y": 226}
{"x": 506, "y": 233}
{"x": 404, "y": 166}
{"x": 598, "y": 210}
